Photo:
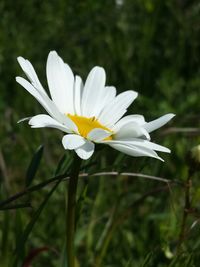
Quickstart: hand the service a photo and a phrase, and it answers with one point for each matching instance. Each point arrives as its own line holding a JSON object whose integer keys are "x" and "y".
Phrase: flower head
{"x": 89, "y": 113}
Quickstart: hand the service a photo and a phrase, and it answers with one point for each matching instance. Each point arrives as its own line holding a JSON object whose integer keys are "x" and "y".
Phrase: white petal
{"x": 114, "y": 117}
{"x": 73, "y": 141}
{"x": 98, "y": 134}
{"x": 131, "y": 130}
{"x": 115, "y": 110}
{"x": 85, "y": 151}
{"x": 139, "y": 119}
{"x": 135, "y": 151}
{"x": 43, "y": 120}
{"x": 155, "y": 147}
{"x": 78, "y": 95}
{"x": 47, "y": 103}
{"x": 155, "y": 124}
{"x": 31, "y": 74}
{"x": 136, "y": 142}
{"x": 36, "y": 94}
{"x": 24, "y": 119}
{"x": 61, "y": 83}
{"x": 108, "y": 94}
{"x": 92, "y": 92}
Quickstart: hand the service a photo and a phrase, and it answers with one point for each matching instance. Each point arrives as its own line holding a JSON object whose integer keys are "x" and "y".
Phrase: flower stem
{"x": 71, "y": 210}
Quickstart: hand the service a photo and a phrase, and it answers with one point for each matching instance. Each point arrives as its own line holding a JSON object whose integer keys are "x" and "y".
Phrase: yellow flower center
{"x": 85, "y": 125}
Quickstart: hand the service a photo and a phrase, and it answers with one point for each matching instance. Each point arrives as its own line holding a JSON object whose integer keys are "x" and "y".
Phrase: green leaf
{"x": 63, "y": 259}
{"x": 20, "y": 246}
{"x": 189, "y": 261}
{"x": 33, "y": 166}
{"x": 60, "y": 164}
{"x": 18, "y": 227}
{"x": 147, "y": 260}
{"x": 80, "y": 203}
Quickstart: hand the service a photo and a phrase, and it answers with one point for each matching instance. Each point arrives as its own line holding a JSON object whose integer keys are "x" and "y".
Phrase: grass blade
{"x": 34, "y": 165}
{"x": 19, "y": 256}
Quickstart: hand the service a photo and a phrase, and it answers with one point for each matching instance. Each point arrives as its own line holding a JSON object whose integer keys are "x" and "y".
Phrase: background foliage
{"x": 151, "y": 46}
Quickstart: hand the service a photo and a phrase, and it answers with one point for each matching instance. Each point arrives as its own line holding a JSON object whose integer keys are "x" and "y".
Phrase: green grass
{"x": 150, "y": 46}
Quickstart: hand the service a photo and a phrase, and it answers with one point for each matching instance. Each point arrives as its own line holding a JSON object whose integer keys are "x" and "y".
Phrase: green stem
{"x": 71, "y": 210}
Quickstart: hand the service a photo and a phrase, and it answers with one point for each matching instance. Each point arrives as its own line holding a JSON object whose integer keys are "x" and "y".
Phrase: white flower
{"x": 90, "y": 113}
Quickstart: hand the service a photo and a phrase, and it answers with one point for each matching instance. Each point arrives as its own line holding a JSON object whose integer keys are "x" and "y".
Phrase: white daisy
{"x": 90, "y": 113}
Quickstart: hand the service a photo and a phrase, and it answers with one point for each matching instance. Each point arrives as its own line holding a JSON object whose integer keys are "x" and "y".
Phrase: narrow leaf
{"x": 33, "y": 166}
{"x": 63, "y": 257}
{"x": 147, "y": 260}
{"x": 31, "y": 224}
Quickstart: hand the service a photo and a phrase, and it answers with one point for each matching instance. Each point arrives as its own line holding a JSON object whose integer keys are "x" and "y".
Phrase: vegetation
{"x": 124, "y": 218}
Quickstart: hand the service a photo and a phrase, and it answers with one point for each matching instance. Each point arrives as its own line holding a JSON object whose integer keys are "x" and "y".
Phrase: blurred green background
{"x": 150, "y": 46}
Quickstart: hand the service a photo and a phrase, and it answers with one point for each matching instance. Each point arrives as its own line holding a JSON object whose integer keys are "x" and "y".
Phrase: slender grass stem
{"x": 71, "y": 210}
{"x": 82, "y": 175}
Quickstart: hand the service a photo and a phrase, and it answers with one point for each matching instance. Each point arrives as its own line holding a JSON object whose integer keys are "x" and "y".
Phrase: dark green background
{"x": 151, "y": 46}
